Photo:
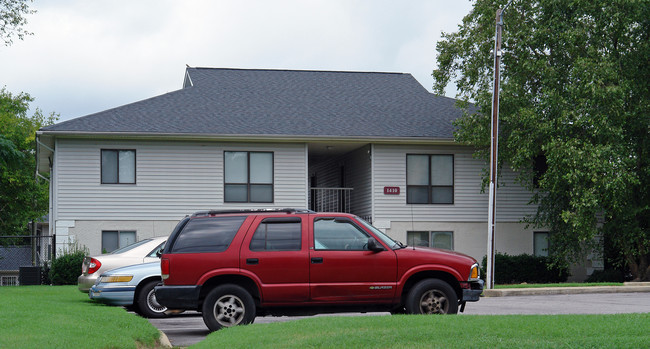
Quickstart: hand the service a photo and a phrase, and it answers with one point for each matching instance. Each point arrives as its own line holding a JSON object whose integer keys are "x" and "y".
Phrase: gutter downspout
{"x": 38, "y": 142}
{"x": 50, "y": 210}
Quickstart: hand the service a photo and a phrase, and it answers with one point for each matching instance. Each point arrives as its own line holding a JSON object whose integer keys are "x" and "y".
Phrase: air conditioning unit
{"x": 29, "y": 275}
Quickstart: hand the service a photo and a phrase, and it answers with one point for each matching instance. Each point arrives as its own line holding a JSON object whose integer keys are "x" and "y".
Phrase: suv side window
{"x": 339, "y": 234}
{"x": 277, "y": 234}
{"x": 209, "y": 234}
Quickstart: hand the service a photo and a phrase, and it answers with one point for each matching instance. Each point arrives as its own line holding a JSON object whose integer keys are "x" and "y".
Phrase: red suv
{"x": 235, "y": 265}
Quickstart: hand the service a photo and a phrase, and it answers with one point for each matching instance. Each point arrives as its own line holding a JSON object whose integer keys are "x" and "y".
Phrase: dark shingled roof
{"x": 230, "y": 102}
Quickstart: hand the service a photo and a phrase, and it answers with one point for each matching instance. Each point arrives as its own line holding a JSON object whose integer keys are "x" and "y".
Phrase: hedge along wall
{"x": 525, "y": 268}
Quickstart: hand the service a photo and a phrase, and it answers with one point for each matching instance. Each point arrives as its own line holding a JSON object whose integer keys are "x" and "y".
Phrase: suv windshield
{"x": 387, "y": 240}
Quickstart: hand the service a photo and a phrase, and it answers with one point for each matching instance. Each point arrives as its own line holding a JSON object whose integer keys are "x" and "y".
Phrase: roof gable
{"x": 281, "y": 103}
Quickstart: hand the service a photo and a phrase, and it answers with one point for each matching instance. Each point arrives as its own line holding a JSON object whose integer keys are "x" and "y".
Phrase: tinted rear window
{"x": 209, "y": 234}
{"x": 277, "y": 236}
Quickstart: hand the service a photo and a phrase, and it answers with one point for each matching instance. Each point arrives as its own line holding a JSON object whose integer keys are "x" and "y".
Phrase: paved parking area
{"x": 188, "y": 328}
{"x": 605, "y": 303}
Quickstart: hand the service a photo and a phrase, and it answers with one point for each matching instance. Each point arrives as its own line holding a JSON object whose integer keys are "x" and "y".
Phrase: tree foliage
{"x": 13, "y": 20}
{"x": 575, "y": 101}
{"x": 22, "y": 198}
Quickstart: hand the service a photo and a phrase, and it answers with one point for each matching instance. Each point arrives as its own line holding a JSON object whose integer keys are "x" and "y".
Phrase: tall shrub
{"x": 66, "y": 269}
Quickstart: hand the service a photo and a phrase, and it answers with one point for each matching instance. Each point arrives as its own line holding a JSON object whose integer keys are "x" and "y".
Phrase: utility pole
{"x": 494, "y": 147}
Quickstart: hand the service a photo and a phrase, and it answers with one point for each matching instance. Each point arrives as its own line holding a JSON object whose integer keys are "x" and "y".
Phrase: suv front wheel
{"x": 227, "y": 306}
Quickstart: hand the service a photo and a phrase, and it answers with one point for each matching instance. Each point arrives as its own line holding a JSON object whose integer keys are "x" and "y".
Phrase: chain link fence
{"x": 25, "y": 259}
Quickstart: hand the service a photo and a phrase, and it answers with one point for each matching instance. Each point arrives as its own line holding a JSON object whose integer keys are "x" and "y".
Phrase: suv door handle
{"x": 316, "y": 260}
{"x": 251, "y": 261}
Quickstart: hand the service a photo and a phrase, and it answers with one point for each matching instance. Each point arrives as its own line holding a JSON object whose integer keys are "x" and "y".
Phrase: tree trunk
{"x": 640, "y": 268}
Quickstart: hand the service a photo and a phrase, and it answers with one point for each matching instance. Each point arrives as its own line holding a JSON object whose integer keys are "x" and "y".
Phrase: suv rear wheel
{"x": 228, "y": 305}
{"x": 432, "y": 296}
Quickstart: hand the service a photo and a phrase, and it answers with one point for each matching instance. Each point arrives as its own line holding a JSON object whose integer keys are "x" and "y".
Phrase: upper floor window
{"x": 248, "y": 176}
{"x": 429, "y": 179}
{"x": 118, "y": 166}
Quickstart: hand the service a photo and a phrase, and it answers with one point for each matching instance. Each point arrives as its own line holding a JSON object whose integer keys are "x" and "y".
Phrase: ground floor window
{"x": 540, "y": 243}
{"x": 114, "y": 239}
{"x": 436, "y": 239}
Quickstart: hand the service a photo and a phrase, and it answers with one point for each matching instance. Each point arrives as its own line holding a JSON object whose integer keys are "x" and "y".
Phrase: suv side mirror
{"x": 373, "y": 245}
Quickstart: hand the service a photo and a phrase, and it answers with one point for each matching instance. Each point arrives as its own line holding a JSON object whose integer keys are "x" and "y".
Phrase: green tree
{"x": 22, "y": 198}
{"x": 12, "y": 19}
{"x": 574, "y": 114}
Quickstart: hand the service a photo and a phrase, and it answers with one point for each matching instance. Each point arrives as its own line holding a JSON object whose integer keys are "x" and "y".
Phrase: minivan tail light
{"x": 164, "y": 268}
{"x": 94, "y": 265}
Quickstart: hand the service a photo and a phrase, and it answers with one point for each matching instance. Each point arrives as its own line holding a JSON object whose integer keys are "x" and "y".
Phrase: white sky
{"x": 88, "y": 56}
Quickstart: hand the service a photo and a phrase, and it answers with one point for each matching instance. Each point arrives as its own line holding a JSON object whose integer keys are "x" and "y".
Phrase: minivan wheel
{"x": 432, "y": 296}
{"x": 147, "y": 304}
{"x": 227, "y": 306}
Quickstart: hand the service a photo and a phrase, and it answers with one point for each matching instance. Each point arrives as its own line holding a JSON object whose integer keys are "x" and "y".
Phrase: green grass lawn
{"x": 63, "y": 317}
{"x": 464, "y": 331}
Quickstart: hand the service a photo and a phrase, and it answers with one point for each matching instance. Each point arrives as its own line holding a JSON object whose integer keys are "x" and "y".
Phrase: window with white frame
{"x": 114, "y": 239}
{"x": 429, "y": 179}
{"x": 248, "y": 176}
{"x": 436, "y": 239}
{"x": 118, "y": 166}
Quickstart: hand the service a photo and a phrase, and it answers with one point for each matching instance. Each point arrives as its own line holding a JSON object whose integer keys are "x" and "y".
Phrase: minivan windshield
{"x": 387, "y": 240}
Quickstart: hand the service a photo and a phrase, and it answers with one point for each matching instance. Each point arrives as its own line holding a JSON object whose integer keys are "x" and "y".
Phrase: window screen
{"x": 430, "y": 179}
{"x": 118, "y": 166}
{"x": 248, "y": 176}
{"x": 435, "y": 239}
{"x": 116, "y": 239}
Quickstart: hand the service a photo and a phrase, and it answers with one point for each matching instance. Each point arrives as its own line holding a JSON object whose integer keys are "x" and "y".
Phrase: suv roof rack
{"x": 258, "y": 210}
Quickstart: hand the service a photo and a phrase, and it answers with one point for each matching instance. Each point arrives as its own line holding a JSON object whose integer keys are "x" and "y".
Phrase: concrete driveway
{"x": 188, "y": 328}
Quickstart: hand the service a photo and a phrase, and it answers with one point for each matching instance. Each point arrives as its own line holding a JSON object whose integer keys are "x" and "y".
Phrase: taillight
{"x": 94, "y": 265}
{"x": 164, "y": 268}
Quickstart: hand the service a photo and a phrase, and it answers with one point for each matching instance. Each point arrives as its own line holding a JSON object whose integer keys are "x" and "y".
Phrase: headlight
{"x": 116, "y": 278}
{"x": 474, "y": 273}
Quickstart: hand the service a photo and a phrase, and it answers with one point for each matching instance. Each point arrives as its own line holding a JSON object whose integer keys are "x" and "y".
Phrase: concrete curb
{"x": 164, "y": 341}
{"x": 628, "y": 287}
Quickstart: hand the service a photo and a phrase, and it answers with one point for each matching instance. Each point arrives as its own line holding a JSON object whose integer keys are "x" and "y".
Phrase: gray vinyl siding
{"x": 470, "y": 205}
{"x": 358, "y": 175}
{"x": 172, "y": 179}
